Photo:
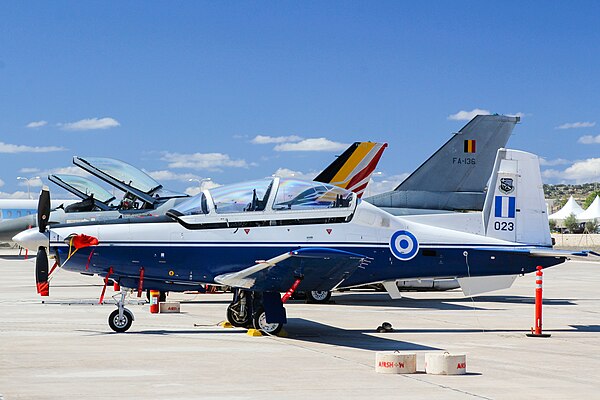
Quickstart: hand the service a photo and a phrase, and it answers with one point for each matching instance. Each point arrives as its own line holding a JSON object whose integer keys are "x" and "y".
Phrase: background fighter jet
{"x": 320, "y": 245}
{"x": 454, "y": 178}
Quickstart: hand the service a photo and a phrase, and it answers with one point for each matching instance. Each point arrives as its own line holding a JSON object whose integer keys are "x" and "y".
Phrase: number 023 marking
{"x": 504, "y": 226}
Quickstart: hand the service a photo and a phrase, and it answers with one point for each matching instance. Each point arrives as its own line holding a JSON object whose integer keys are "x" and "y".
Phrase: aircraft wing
{"x": 320, "y": 268}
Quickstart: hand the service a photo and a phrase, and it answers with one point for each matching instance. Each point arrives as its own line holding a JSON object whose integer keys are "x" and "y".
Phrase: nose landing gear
{"x": 120, "y": 320}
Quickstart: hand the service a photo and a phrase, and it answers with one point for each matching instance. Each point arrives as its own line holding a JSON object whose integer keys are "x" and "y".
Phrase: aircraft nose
{"x": 32, "y": 239}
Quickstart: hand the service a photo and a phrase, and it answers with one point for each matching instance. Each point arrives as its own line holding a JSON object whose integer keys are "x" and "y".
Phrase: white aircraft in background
{"x": 16, "y": 208}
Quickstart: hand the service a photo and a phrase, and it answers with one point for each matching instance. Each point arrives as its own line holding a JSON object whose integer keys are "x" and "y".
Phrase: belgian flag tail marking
{"x": 470, "y": 146}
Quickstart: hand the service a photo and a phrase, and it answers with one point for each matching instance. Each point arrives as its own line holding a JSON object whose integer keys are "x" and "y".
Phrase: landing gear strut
{"x": 120, "y": 320}
{"x": 248, "y": 309}
{"x": 239, "y": 312}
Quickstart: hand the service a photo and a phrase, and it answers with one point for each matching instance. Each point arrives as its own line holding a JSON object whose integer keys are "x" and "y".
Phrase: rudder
{"x": 515, "y": 207}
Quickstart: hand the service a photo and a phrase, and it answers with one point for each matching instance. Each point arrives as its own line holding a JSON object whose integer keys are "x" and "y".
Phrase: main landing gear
{"x": 120, "y": 320}
{"x": 259, "y": 310}
{"x": 318, "y": 296}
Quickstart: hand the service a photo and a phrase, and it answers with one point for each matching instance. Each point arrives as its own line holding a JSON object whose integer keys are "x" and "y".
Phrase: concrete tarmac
{"x": 62, "y": 348}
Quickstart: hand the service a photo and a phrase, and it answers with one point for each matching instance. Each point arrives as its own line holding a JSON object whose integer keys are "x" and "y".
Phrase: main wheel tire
{"x": 318, "y": 296}
{"x": 120, "y": 325}
{"x": 260, "y": 322}
{"x": 235, "y": 319}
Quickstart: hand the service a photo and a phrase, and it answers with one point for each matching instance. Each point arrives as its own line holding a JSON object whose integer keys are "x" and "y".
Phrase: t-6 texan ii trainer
{"x": 279, "y": 235}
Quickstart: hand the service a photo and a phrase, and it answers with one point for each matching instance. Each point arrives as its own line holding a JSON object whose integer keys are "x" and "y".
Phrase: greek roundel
{"x": 404, "y": 245}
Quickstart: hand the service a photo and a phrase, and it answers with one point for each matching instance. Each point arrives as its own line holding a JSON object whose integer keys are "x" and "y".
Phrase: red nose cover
{"x": 81, "y": 241}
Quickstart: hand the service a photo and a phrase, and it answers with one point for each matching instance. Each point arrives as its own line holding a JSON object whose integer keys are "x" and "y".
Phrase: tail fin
{"x": 455, "y": 176}
{"x": 515, "y": 208}
{"x": 353, "y": 169}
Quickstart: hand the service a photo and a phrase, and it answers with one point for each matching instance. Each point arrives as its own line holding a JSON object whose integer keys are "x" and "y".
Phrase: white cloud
{"x": 36, "y": 124}
{"x": 260, "y": 139}
{"x": 32, "y": 182}
{"x": 206, "y": 185}
{"x": 89, "y": 124}
{"x": 16, "y": 195}
{"x": 468, "y": 115}
{"x": 29, "y": 170}
{"x": 19, "y": 148}
{"x": 288, "y": 173}
{"x": 208, "y": 161}
{"x": 519, "y": 114}
{"x": 589, "y": 139}
{"x": 574, "y": 125}
{"x": 165, "y": 175}
{"x": 317, "y": 144}
{"x": 580, "y": 172}
{"x": 1, "y": 183}
{"x": 384, "y": 185}
{"x": 551, "y": 163}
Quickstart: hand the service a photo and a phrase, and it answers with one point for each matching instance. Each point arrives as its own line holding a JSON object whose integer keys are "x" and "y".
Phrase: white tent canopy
{"x": 570, "y": 208}
{"x": 592, "y": 212}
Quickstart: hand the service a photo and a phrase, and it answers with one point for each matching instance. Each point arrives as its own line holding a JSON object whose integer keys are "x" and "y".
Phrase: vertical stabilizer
{"x": 515, "y": 208}
{"x": 455, "y": 176}
{"x": 353, "y": 169}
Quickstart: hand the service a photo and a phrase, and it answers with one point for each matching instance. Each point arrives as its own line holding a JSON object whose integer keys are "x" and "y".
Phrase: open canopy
{"x": 84, "y": 188}
{"x": 134, "y": 182}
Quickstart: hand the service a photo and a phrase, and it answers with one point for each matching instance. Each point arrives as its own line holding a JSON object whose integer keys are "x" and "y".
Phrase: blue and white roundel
{"x": 404, "y": 245}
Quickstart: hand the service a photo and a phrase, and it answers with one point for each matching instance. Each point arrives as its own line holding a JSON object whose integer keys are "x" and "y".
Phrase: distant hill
{"x": 557, "y": 195}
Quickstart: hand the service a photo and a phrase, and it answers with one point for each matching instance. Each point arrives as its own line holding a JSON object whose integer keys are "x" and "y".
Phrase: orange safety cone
{"x": 154, "y": 296}
{"x": 537, "y": 331}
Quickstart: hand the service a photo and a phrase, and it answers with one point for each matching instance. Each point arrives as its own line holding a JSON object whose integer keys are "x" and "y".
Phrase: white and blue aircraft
{"x": 276, "y": 235}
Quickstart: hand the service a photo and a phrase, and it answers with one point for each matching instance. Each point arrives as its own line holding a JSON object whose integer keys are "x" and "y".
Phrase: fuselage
{"x": 177, "y": 257}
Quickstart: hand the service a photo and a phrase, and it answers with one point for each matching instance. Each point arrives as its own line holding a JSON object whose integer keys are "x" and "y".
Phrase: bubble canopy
{"x": 124, "y": 172}
{"x": 87, "y": 187}
{"x": 267, "y": 195}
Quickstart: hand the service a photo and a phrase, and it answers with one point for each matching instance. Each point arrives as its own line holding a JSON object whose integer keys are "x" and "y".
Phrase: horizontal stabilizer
{"x": 320, "y": 269}
{"x": 539, "y": 251}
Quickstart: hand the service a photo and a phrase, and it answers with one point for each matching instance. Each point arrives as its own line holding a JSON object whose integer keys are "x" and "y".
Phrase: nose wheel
{"x": 120, "y": 320}
{"x": 119, "y": 323}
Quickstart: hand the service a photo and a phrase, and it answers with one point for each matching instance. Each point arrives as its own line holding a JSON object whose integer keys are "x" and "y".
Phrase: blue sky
{"x": 183, "y": 89}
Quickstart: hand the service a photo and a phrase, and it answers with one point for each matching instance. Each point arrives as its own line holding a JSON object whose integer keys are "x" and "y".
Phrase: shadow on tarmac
{"x": 302, "y": 330}
{"x": 11, "y": 257}
{"x": 314, "y": 332}
{"x": 442, "y": 303}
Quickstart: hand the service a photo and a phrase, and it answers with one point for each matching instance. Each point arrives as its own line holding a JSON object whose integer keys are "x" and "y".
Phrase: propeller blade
{"x": 43, "y": 211}
{"x": 41, "y": 272}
